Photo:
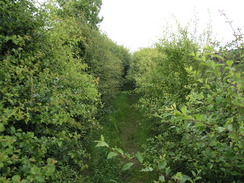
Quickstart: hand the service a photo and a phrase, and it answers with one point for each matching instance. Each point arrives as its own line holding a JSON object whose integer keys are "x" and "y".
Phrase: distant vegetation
{"x": 63, "y": 83}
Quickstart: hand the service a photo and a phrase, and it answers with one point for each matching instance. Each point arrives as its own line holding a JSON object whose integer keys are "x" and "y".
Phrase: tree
{"x": 86, "y": 10}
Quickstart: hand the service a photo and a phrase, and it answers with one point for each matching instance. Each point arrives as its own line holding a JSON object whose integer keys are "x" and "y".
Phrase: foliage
{"x": 86, "y": 10}
{"x": 56, "y": 68}
{"x": 143, "y": 61}
{"x": 205, "y": 135}
{"x": 234, "y": 50}
{"x": 194, "y": 98}
{"x": 106, "y": 61}
{"x": 18, "y": 25}
{"x": 48, "y": 101}
{"x": 198, "y": 127}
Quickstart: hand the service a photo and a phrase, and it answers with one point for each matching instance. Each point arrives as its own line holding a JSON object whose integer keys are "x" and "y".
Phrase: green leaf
{"x": 229, "y": 62}
{"x": 111, "y": 155}
{"x": 194, "y": 173}
{"x": 185, "y": 179}
{"x": 2, "y": 128}
{"x": 50, "y": 161}
{"x": 60, "y": 143}
{"x": 177, "y": 113}
{"x": 219, "y": 99}
{"x": 199, "y": 117}
{"x": 102, "y": 138}
{"x": 220, "y": 129}
{"x": 139, "y": 157}
{"x": 167, "y": 171}
{"x": 178, "y": 176}
{"x": 119, "y": 151}
{"x": 161, "y": 178}
{"x": 219, "y": 57}
{"x": 16, "y": 178}
{"x": 230, "y": 127}
{"x": 187, "y": 125}
{"x": 199, "y": 124}
{"x": 50, "y": 169}
{"x": 162, "y": 164}
{"x": 102, "y": 144}
{"x": 35, "y": 170}
{"x": 184, "y": 110}
{"x": 40, "y": 178}
{"x": 147, "y": 169}
{"x": 127, "y": 166}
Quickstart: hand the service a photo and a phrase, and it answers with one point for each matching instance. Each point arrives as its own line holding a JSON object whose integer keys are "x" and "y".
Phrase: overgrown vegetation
{"x": 61, "y": 82}
{"x": 192, "y": 96}
{"x": 51, "y": 81}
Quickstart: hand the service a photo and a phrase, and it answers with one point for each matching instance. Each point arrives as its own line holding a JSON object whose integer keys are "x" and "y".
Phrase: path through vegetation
{"x": 124, "y": 129}
{"x": 129, "y": 132}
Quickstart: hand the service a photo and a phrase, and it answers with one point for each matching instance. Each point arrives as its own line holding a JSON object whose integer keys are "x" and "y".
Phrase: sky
{"x": 137, "y": 24}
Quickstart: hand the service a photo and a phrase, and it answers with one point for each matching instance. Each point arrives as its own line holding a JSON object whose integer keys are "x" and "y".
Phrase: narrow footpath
{"x": 129, "y": 131}
{"x": 124, "y": 130}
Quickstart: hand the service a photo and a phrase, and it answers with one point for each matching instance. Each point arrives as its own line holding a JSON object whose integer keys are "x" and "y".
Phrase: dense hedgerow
{"x": 49, "y": 91}
{"x": 193, "y": 98}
